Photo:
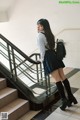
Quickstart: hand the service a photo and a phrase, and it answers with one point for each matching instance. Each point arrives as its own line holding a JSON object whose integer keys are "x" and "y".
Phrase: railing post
{"x": 37, "y": 69}
{"x": 10, "y": 60}
{"x": 14, "y": 64}
{"x": 41, "y": 73}
{"x": 49, "y": 86}
{"x": 46, "y": 85}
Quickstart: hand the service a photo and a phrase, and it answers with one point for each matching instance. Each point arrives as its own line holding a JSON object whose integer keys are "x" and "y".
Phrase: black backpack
{"x": 60, "y": 49}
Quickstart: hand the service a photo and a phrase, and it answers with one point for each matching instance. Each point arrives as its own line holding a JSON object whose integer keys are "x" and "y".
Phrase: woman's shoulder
{"x": 41, "y": 35}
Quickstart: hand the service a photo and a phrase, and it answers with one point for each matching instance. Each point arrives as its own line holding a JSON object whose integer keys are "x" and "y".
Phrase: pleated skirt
{"x": 51, "y": 63}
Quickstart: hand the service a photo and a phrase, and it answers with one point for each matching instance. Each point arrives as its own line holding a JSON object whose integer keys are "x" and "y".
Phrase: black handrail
{"x": 26, "y": 65}
{"x": 17, "y": 66}
{"x": 22, "y": 71}
{"x": 41, "y": 78}
{"x": 19, "y": 51}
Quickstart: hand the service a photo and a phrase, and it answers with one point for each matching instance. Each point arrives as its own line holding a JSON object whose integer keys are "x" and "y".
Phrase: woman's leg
{"x": 66, "y": 83}
{"x": 61, "y": 73}
{"x": 56, "y": 76}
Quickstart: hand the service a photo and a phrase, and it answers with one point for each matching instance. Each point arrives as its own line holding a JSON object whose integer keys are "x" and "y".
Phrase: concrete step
{"x": 16, "y": 109}
{"x": 2, "y": 83}
{"x": 7, "y": 95}
{"x": 29, "y": 115}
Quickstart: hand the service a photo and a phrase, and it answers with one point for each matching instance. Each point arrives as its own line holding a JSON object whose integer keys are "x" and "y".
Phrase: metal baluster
{"x": 41, "y": 73}
{"x": 46, "y": 84}
{"x": 14, "y": 64}
{"x": 49, "y": 87}
{"x": 37, "y": 69}
{"x": 10, "y": 60}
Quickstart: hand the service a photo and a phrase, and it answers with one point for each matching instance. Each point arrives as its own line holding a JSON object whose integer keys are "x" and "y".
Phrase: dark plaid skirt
{"x": 51, "y": 62}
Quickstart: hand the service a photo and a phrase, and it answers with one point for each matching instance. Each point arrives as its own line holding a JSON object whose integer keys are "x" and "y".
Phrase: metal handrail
{"x": 22, "y": 62}
{"x": 66, "y": 29}
{"x": 18, "y": 50}
{"x": 22, "y": 71}
{"x": 12, "y": 57}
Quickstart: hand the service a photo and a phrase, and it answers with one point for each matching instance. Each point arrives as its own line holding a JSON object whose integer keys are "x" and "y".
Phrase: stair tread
{"x": 29, "y": 115}
{"x": 6, "y": 91}
{"x": 13, "y": 105}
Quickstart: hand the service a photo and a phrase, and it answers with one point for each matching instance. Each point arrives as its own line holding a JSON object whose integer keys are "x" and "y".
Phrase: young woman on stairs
{"x": 53, "y": 66}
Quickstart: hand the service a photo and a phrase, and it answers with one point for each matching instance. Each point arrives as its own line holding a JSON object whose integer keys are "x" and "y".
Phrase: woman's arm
{"x": 41, "y": 45}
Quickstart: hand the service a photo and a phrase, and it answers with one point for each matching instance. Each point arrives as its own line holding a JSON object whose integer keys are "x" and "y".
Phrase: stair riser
{"x": 9, "y": 98}
{"x": 19, "y": 112}
{"x": 3, "y": 84}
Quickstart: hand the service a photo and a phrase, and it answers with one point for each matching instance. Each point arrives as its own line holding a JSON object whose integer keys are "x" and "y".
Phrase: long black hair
{"x": 48, "y": 33}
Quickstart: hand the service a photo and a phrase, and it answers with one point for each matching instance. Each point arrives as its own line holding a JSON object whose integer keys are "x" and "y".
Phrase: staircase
{"x": 10, "y": 103}
{"x": 28, "y": 78}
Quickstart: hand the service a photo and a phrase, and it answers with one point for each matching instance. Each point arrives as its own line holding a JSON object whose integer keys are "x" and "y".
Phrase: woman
{"x": 53, "y": 66}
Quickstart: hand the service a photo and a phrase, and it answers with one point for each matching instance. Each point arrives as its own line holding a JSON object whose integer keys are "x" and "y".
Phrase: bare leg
{"x": 61, "y": 73}
{"x": 55, "y": 74}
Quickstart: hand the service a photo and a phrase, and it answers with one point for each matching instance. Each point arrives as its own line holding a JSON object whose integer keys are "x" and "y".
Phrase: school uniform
{"x": 48, "y": 57}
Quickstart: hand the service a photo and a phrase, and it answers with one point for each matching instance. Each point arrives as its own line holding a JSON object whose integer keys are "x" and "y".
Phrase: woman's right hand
{"x": 38, "y": 62}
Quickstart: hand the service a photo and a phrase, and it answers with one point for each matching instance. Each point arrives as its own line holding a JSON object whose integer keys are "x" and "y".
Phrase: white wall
{"x": 21, "y": 28}
{"x": 72, "y": 44}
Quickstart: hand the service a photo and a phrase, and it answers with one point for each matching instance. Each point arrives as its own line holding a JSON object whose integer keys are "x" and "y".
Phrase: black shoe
{"x": 64, "y": 104}
{"x": 72, "y": 100}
